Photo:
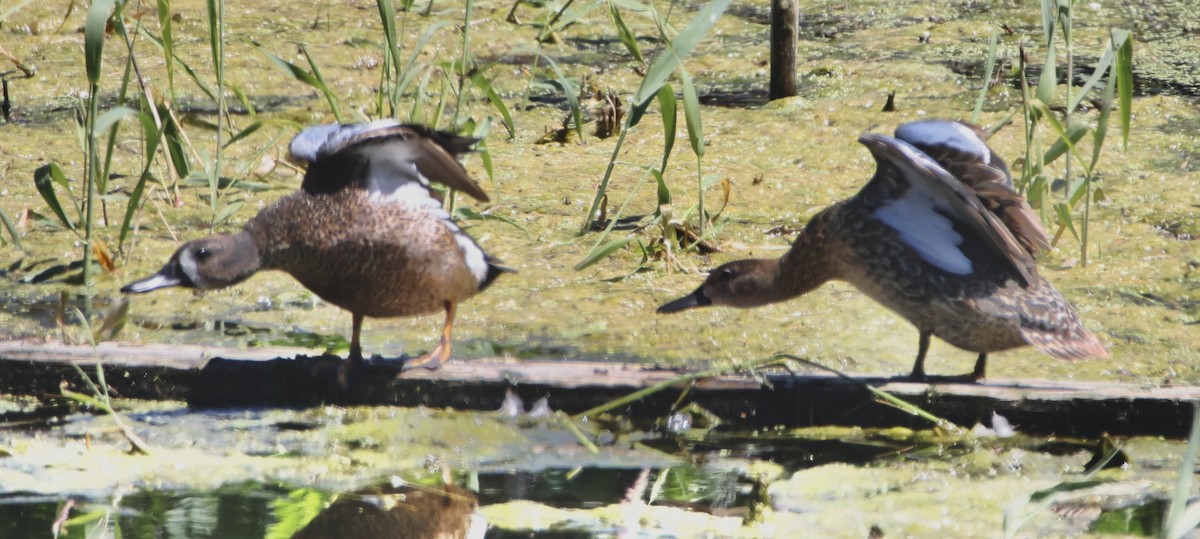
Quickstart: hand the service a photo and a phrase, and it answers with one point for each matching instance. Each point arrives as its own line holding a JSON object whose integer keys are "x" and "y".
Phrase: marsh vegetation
{"x": 629, "y": 147}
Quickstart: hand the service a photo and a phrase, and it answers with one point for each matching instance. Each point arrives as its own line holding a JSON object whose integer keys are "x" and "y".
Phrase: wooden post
{"x": 785, "y": 19}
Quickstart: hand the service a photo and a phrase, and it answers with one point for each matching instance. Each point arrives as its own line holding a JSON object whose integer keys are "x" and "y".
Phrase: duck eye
{"x": 726, "y": 275}
{"x": 203, "y": 254}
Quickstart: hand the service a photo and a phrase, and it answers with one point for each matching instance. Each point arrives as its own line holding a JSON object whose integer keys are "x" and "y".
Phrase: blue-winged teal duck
{"x": 939, "y": 236}
{"x": 363, "y": 232}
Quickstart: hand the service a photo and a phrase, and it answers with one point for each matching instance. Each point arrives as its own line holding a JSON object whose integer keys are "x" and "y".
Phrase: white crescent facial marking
{"x": 943, "y": 133}
{"x": 187, "y": 266}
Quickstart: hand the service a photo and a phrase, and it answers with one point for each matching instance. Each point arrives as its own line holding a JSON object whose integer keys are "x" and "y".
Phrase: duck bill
{"x": 695, "y": 299}
{"x": 165, "y": 277}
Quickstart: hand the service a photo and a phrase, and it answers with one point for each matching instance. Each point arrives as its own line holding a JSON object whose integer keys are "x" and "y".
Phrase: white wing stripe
{"x": 928, "y": 232}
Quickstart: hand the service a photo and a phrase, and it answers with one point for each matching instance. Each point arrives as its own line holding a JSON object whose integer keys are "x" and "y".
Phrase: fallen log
{"x": 221, "y": 378}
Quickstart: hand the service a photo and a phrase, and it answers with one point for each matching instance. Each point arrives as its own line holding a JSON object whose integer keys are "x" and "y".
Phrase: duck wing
{"x": 960, "y": 149}
{"x": 384, "y": 156}
{"x": 919, "y": 199}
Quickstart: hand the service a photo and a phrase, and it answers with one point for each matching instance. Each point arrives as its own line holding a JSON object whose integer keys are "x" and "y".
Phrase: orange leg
{"x": 441, "y": 353}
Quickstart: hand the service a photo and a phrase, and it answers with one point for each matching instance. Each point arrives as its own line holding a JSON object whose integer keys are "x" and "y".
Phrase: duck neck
{"x": 245, "y": 260}
{"x": 805, "y": 267}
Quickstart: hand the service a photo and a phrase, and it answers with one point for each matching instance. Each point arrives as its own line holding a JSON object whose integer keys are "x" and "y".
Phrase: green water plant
{"x": 97, "y": 396}
{"x": 1183, "y": 514}
{"x": 654, "y": 88}
{"x": 1114, "y": 70}
{"x": 160, "y": 130}
{"x": 93, "y": 50}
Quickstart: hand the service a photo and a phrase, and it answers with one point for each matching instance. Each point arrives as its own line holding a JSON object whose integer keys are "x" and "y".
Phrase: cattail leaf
{"x": 1124, "y": 81}
{"x": 691, "y": 113}
{"x": 627, "y": 38}
{"x": 603, "y": 251}
{"x": 670, "y": 119}
{"x": 110, "y": 118}
{"x": 44, "y": 179}
{"x": 675, "y": 50}
{"x": 93, "y": 37}
{"x": 483, "y": 83}
{"x": 572, "y": 95}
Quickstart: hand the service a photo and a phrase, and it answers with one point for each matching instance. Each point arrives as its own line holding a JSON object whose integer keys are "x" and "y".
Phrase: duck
{"x": 939, "y": 236}
{"x": 364, "y": 232}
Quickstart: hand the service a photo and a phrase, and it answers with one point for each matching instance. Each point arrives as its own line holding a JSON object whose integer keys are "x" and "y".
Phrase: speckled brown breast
{"x": 370, "y": 257}
{"x": 983, "y": 311}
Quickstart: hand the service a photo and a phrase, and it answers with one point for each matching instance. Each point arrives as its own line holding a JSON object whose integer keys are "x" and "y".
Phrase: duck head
{"x": 743, "y": 283}
{"x": 205, "y": 264}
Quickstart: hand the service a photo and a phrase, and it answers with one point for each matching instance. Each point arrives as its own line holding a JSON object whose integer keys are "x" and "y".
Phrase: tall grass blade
{"x": 1074, "y": 134}
{"x": 168, "y": 44}
{"x": 1063, "y": 212}
{"x": 627, "y": 38}
{"x": 1124, "y": 81}
{"x": 316, "y": 73}
{"x": 227, "y": 211}
{"x": 175, "y": 141}
{"x": 187, "y": 68}
{"x": 244, "y": 99}
{"x": 135, "y": 200}
{"x": 664, "y": 192}
{"x": 216, "y": 44}
{"x": 1106, "y": 103}
{"x": 988, "y": 70}
{"x": 483, "y": 83}
{"x": 675, "y": 50}
{"x": 1049, "y": 10}
{"x": 572, "y": 95}
{"x": 602, "y": 252}
{"x": 1101, "y": 70}
{"x": 93, "y": 51}
{"x": 93, "y": 37}
{"x": 466, "y": 65}
{"x": 245, "y": 132}
{"x": 668, "y": 105}
{"x": 1049, "y": 77}
{"x": 387, "y": 15}
{"x": 304, "y": 76}
{"x": 481, "y": 132}
{"x": 109, "y": 118}
{"x": 12, "y": 230}
{"x": 691, "y": 113}
{"x": 4, "y": 15}
{"x": 567, "y": 19}
{"x": 1173, "y": 523}
{"x": 409, "y": 70}
{"x": 44, "y": 179}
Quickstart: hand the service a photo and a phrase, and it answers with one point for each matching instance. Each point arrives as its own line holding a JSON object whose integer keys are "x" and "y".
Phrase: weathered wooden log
{"x": 206, "y": 377}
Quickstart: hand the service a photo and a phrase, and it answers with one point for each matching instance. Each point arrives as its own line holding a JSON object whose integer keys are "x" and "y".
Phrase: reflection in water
{"x": 386, "y": 512}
